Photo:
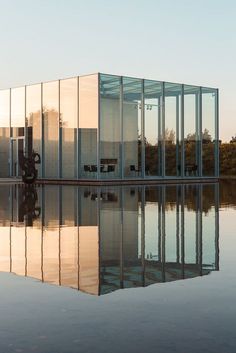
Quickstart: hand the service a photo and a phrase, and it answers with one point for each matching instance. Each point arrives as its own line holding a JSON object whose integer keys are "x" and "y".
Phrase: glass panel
{"x": 191, "y": 124}
{"x": 172, "y": 133}
{"x": 4, "y": 132}
{"x": 152, "y": 116}
{"x": 18, "y": 111}
{"x": 132, "y": 89}
{"x": 208, "y": 131}
{"x": 51, "y": 123}
{"x": 109, "y": 126}
{"x": 88, "y": 125}
{"x": 33, "y": 118}
{"x": 68, "y": 126}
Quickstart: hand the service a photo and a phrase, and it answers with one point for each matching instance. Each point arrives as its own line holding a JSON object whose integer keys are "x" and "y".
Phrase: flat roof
{"x": 112, "y": 75}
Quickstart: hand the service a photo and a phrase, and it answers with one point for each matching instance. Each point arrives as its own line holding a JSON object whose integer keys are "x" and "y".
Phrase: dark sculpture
{"x": 27, "y": 164}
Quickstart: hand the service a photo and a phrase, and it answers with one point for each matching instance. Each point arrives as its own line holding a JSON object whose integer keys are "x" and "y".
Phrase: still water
{"x": 118, "y": 269}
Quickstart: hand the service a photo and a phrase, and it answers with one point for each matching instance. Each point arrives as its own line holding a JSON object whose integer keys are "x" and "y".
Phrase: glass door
{"x": 17, "y": 149}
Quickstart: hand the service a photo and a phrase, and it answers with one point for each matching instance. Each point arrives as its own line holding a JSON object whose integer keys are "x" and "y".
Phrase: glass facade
{"x": 111, "y": 127}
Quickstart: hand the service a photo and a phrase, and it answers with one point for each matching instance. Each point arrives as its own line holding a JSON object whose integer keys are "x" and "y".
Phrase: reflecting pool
{"x": 118, "y": 269}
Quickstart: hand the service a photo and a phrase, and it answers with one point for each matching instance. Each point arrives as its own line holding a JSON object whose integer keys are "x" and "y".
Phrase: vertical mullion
{"x": 143, "y": 233}
{"x": 200, "y": 133}
{"x": 177, "y": 136}
{"x": 182, "y": 133}
{"x": 98, "y": 131}
{"x": 99, "y": 192}
{"x": 77, "y": 136}
{"x": 163, "y": 242}
{"x": 182, "y": 232}
{"x": 26, "y": 263}
{"x": 122, "y": 238}
{"x": 142, "y": 131}
{"x": 163, "y": 132}
{"x": 26, "y": 137}
{"x": 200, "y": 230}
{"x": 78, "y": 243}
{"x": 159, "y": 224}
{"x": 76, "y": 130}
{"x": 59, "y": 132}
{"x": 42, "y": 136}
{"x": 177, "y": 223}
{"x": 121, "y": 131}
{"x": 10, "y": 135}
{"x": 197, "y": 131}
{"x": 216, "y": 146}
{"x": 197, "y": 226}
{"x": 217, "y": 227}
{"x": 159, "y": 149}
{"x": 42, "y": 234}
{"x": 59, "y": 230}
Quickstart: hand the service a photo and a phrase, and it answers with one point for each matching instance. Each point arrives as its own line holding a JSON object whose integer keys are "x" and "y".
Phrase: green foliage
{"x": 228, "y": 158}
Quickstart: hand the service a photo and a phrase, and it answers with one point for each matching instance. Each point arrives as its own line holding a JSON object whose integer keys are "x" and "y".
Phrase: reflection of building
{"x": 101, "y": 239}
{"x": 111, "y": 127}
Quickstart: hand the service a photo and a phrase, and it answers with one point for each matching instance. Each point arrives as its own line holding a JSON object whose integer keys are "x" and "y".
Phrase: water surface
{"x": 117, "y": 269}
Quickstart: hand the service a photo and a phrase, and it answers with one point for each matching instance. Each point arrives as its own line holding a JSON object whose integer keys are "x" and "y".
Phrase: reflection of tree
{"x": 192, "y": 137}
{"x": 228, "y": 193}
{"x": 190, "y": 152}
{"x": 206, "y": 137}
{"x": 169, "y": 135}
{"x": 151, "y": 159}
{"x": 233, "y": 139}
{"x": 208, "y": 159}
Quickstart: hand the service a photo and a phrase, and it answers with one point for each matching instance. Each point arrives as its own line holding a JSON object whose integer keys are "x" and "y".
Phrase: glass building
{"x": 104, "y": 127}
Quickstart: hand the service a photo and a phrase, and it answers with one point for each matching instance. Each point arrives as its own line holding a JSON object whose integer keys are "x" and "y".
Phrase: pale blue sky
{"x": 174, "y": 40}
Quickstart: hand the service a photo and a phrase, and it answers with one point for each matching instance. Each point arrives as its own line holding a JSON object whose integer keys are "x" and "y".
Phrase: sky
{"x": 184, "y": 41}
